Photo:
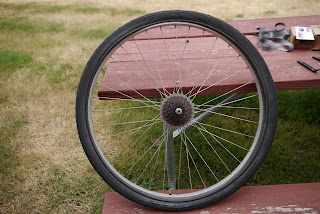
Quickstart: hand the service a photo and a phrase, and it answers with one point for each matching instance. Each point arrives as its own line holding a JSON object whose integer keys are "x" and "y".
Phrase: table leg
{"x": 170, "y": 157}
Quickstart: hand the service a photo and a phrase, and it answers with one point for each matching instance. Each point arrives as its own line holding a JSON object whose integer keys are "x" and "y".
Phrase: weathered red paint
{"x": 285, "y": 198}
{"x": 286, "y": 72}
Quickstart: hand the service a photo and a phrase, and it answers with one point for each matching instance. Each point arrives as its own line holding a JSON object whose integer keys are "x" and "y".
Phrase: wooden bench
{"x": 286, "y": 72}
{"x": 284, "y": 198}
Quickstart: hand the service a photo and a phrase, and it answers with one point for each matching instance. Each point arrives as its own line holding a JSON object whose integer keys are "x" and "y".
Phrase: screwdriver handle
{"x": 316, "y": 58}
{"x": 307, "y": 66}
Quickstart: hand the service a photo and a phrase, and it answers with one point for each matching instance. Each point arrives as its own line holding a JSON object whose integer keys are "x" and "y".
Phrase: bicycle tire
{"x": 198, "y": 195}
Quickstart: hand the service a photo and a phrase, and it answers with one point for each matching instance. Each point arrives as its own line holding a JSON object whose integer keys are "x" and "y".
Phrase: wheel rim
{"x": 127, "y": 164}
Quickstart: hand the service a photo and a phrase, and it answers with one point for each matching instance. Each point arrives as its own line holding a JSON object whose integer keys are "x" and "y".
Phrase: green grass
{"x": 42, "y": 8}
{"x": 95, "y": 33}
{"x": 270, "y": 12}
{"x": 10, "y": 175}
{"x": 239, "y": 16}
{"x": 35, "y": 7}
{"x": 300, "y": 105}
{"x": 64, "y": 188}
{"x": 12, "y": 60}
{"x": 89, "y": 10}
{"x": 24, "y": 25}
{"x": 126, "y": 11}
{"x": 293, "y": 157}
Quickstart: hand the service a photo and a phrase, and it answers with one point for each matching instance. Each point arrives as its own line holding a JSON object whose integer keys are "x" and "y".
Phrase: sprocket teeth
{"x": 167, "y": 110}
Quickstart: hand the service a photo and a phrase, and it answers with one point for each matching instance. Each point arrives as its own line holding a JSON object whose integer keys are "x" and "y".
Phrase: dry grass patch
{"x": 222, "y": 9}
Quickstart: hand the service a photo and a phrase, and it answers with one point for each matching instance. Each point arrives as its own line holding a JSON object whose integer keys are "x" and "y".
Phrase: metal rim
{"x": 165, "y": 195}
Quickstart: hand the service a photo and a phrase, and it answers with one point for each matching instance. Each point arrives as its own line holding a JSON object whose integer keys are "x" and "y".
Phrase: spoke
{"x": 165, "y": 157}
{"x": 134, "y": 143}
{"x": 227, "y": 130}
{"x": 237, "y": 107}
{"x": 158, "y": 149}
{"x": 142, "y": 56}
{"x": 123, "y": 132}
{"x": 185, "y": 143}
{"x": 145, "y": 125}
{"x": 199, "y": 91}
{"x": 129, "y": 86}
{"x": 161, "y": 93}
{"x": 173, "y": 78}
{"x": 203, "y": 66}
{"x": 155, "y": 61}
{"x": 147, "y": 65}
{"x": 146, "y": 153}
{"x": 201, "y": 157}
{"x": 228, "y": 141}
{"x": 185, "y": 44}
{"x": 213, "y": 136}
{"x": 225, "y": 115}
{"x": 114, "y": 124}
{"x": 237, "y": 100}
{"x": 116, "y": 109}
{"x": 154, "y": 168}
{"x": 121, "y": 99}
{"x": 164, "y": 168}
{"x": 195, "y": 165}
{"x": 213, "y": 68}
{"x": 185, "y": 74}
{"x": 179, "y": 163}
{"x": 226, "y": 93}
{"x": 213, "y": 148}
{"x": 146, "y": 103}
{"x": 175, "y": 27}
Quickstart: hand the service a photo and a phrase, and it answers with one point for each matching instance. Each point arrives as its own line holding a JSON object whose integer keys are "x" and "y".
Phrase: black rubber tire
{"x": 267, "y": 130}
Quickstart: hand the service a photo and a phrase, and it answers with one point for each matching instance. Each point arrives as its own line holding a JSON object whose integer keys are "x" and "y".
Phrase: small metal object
{"x": 309, "y": 67}
{"x": 178, "y": 111}
{"x": 316, "y": 58}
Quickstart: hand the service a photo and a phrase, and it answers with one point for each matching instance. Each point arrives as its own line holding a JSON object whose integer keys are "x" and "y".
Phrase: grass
{"x": 290, "y": 160}
{"x": 95, "y": 33}
{"x": 10, "y": 174}
{"x": 89, "y": 10}
{"x": 10, "y": 60}
{"x": 23, "y": 24}
{"x": 270, "y": 12}
{"x": 44, "y": 47}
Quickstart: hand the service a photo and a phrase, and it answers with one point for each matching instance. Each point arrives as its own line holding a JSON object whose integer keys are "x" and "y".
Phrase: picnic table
{"x": 286, "y": 72}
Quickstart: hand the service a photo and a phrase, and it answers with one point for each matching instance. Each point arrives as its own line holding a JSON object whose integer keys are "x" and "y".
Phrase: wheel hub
{"x": 176, "y": 110}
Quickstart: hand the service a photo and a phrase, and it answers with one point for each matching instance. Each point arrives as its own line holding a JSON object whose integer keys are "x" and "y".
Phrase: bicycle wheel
{"x": 176, "y": 110}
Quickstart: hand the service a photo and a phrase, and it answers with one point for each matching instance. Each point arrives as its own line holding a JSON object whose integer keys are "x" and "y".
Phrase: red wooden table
{"x": 285, "y": 198}
{"x": 286, "y": 72}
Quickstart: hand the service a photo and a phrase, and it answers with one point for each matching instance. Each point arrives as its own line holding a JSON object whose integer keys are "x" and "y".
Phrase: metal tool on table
{"x": 316, "y": 58}
{"x": 309, "y": 67}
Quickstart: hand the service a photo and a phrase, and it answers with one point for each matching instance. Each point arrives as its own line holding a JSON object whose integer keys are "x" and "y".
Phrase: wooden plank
{"x": 134, "y": 79}
{"x": 284, "y": 198}
{"x": 171, "y": 47}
